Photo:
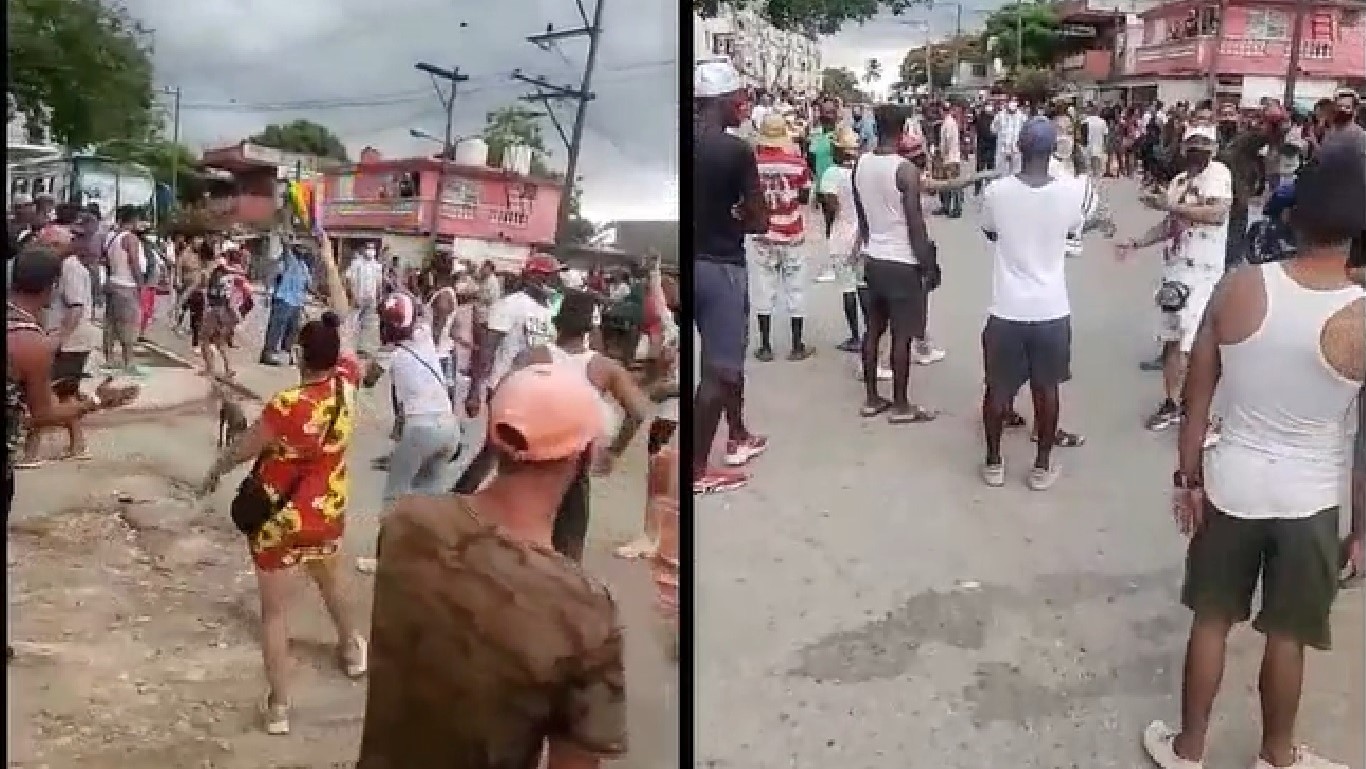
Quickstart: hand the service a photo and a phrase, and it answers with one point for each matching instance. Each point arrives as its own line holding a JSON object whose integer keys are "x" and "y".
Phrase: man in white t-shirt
{"x": 951, "y": 157}
{"x": 836, "y": 192}
{"x": 1097, "y": 131}
{"x": 1195, "y": 232}
{"x": 519, "y": 321}
{"x": 1028, "y": 334}
{"x": 1006, "y": 125}
{"x": 364, "y": 280}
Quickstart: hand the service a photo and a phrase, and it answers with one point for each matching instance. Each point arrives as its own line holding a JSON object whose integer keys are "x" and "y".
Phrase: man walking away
{"x": 728, "y": 202}
{"x": 125, "y": 264}
{"x": 951, "y": 157}
{"x": 1097, "y": 133}
{"x": 1006, "y": 126}
{"x": 778, "y": 252}
{"x": 290, "y": 287}
{"x": 1283, "y": 343}
{"x": 1028, "y": 334}
{"x": 983, "y": 124}
{"x": 901, "y": 265}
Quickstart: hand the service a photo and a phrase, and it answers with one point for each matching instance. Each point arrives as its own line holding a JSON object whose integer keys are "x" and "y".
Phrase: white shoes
{"x": 1158, "y": 737}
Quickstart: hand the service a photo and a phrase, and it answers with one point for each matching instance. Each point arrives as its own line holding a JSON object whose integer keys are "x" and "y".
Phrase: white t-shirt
{"x": 888, "y": 238}
{"x": 524, "y": 323}
{"x": 364, "y": 279}
{"x": 837, "y": 181}
{"x": 1096, "y": 131}
{"x": 1032, "y": 224}
{"x": 419, "y": 384}
{"x": 950, "y": 144}
{"x": 1195, "y": 252}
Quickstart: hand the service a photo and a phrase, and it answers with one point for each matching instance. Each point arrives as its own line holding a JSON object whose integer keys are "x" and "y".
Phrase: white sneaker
{"x": 883, "y": 374}
{"x": 276, "y": 718}
{"x": 1157, "y": 741}
{"x": 825, "y": 277}
{"x": 925, "y": 354}
{"x": 367, "y": 565}
{"x": 1304, "y": 759}
{"x": 356, "y": 657}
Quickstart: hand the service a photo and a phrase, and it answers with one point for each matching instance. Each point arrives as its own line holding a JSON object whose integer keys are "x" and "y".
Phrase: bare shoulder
{"x": 1238, "y": 305}
{"x": 1343, "y": 340}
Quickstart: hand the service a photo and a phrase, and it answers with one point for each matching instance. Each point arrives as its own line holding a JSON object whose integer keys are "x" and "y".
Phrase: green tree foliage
{"x": 824, "y": 17}
{"x": 1044, "y": 43}
{"x": 166, "y": 161}
{"x": 303, "y": 136}
{"x": 872, "y": 71}
{"x": 79, "y": 68}
{"x": 840, "y": 82}
{"x": 517, "y": 125}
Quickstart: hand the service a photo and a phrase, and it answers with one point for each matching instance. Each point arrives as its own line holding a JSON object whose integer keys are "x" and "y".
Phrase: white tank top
{"x": 444, "y": 343}
{"x": 875, "y": 179}
{"x": 579, "y": 362}
{"x": 418, "y": 382}
{"x": 1284, "y": 447}
{"x": 120, "y": 261}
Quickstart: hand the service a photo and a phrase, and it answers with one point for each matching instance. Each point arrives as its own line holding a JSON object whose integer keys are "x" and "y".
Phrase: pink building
{"x": 1172, "y": 48}
{"x": 485, "y": 213}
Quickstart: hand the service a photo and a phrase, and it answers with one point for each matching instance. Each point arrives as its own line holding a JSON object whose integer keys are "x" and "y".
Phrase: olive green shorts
{"x": 1295, "y": 558}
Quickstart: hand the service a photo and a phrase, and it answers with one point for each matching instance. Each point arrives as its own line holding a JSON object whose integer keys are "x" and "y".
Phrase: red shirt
{"x": 784, "y": 176}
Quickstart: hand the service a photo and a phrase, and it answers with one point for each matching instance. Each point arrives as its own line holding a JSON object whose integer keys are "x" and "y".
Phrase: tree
{"x": 517, "y": 125}
{"x": 872, "y": 71}
{"x": 80, "y": 69}
{"x": 1036, "y": 25}
{"x": 304, "y": 137}
{"x": 912, "y": 69}
{"x": 813, "y": 17}
{"x": 841, "y": 83}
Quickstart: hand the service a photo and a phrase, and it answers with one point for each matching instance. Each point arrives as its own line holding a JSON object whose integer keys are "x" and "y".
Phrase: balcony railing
{"x": 1320, "y": 50}
{"x": 1235, "y": 54}
{"x": 414, "y": 212}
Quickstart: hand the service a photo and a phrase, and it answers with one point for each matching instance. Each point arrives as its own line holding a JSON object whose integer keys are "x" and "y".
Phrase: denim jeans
{"x": 281, "y": 327}
{"x": 419, "y": 462}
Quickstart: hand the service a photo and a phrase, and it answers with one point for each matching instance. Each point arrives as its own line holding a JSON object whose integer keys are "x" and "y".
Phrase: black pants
{"x": 986, "y": 160}
{"x": 571, "y": 519}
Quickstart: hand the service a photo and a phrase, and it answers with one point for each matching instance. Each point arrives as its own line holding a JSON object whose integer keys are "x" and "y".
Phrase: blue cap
{"x": 1039, "y": 136}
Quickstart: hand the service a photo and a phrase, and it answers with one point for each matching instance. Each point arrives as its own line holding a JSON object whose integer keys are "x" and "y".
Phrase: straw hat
{"x": 846, "y": 139}
{"x": 773, "y": 132}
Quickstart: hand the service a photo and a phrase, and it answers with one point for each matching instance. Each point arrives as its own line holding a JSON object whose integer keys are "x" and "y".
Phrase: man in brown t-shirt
{"x": 488, "y": 648}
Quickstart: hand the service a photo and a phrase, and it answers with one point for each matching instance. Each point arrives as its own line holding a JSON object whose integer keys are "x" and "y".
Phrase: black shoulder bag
{"x": 253, "y": 506}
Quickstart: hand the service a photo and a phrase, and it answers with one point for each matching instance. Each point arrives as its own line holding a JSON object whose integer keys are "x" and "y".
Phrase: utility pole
{"x": 1292, "y": 72}
{"x": 455, "y": 78}
{"x": 1216, "y": 55}
{"x": 1019, "y": 35}
{"x": 957, "y": 44}
{"x": 175, "y": 146}
{"x": 547, "y": 93}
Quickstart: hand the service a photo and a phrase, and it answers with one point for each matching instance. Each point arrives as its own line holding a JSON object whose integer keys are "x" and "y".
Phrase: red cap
{"x": 399, "y": 310}
{"x": 910, "y": 145}
{"x": 541, "y": 264}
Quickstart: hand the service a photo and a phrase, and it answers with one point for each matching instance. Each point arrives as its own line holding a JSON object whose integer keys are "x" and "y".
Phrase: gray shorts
{"x": 721, "y": 311}
{"x": 122, "y": 314}
{"x": 1016, "y": 351}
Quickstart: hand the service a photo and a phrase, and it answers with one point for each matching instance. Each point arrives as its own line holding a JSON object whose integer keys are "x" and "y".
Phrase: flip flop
{"x": 29, "y": 464}
{"x": 1015, "y": 421}
{"x": 1350, "y": 580}
{"x": 875, "y": 409}
{"x": 917, "y": 415}
{"x": 78, "y": 456}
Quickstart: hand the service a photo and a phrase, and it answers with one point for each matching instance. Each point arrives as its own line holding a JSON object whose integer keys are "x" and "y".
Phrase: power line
{"x": 492, "y": 83}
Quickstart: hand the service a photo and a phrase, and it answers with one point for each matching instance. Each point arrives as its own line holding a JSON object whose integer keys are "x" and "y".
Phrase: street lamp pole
{"x": 175, "y": 146}
{"x": 455, "y": 78}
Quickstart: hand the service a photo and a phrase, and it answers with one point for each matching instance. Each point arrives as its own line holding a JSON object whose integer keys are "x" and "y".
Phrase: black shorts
{"x": 1017, "y": 351}
{"x": 68, "y": 369}
{"x": 897, "y": 291}
{"x": 571, "y": 519}
{"x": 1295, "y": 559}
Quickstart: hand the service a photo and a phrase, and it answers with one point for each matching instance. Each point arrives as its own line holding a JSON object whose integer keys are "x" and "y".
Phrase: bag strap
{"x": 858, "y": 204}
{"x": 439, "y": 378}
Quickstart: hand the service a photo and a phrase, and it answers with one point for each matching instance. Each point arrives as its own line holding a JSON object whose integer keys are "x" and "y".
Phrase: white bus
{"x": 80, "y": 178}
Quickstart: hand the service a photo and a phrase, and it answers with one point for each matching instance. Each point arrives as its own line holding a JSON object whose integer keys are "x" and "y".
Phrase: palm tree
{"x": 872, "y": 71}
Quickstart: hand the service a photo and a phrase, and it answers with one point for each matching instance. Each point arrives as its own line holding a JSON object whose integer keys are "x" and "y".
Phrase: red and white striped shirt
{"x": 784, "y": 175}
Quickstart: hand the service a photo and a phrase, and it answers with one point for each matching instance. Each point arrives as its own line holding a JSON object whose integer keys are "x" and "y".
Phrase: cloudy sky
{"x": 242, "y": 64}
{"x": 888, "y": 37}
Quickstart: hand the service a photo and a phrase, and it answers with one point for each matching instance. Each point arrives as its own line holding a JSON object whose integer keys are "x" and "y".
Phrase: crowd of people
{"x": 1257, "y": 479}
{"x": 506, "y": 371}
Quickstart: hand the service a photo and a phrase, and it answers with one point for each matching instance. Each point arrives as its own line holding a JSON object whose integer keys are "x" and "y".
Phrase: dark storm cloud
{"x": 887, "y": 37}
{"x": 242, "y": 63}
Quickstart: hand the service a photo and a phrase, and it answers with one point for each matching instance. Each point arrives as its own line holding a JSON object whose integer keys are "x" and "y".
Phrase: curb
{"x": 231, "y": 384}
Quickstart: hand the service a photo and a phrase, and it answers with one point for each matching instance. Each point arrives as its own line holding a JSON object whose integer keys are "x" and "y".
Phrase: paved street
{"x": 867, "y": 602}
{"x": 135, "y": 607}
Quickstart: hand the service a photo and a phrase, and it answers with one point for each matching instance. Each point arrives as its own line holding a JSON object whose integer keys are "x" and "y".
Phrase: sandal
{"x": 355, "y": 656}
{"x": 276, "y": 717}
{"x": 875, "y": 408}
{"x": 916, "y": 415}
{"x": 78, "y": 455}
{"x": 1014, "y": 421}
{"x": 640, "y": 547}
{"x": 801, "y": 353}
{"x": 29, "y": 464}
{"x": 1064, "y": 439}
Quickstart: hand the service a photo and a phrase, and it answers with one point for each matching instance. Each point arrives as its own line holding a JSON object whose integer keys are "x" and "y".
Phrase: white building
{"x": 767, "y": 57}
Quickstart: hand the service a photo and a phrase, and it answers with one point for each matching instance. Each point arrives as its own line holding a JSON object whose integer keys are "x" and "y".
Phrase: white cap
{"x": 715, "y": 78}
{"x": 1201, "y": 131}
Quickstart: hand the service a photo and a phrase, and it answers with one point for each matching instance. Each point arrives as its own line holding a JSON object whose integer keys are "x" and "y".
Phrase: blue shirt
{"x": 292, "y": 280}
{"x": 867, "y": 131}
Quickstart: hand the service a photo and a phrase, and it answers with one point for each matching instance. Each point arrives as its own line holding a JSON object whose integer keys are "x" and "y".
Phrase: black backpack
{"x": 218, "y": 292}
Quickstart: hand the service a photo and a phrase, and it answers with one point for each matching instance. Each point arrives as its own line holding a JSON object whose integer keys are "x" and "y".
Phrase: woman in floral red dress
{"x": 299, "y": 445}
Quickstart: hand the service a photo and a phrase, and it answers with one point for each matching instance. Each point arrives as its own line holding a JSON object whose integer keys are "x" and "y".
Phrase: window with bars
{"x": 1267, "y": 24}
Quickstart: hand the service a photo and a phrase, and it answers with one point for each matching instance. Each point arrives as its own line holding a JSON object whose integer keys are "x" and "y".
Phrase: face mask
{"x": 1012, "y": 106}
{"x": 369, "y": 253}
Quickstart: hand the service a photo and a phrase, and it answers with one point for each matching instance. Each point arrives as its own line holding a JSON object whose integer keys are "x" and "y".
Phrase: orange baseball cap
{"x": 543, "y": 413}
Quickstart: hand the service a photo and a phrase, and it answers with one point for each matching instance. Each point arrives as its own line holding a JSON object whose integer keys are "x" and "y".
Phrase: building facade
{"x": 767, "y": 57}
{"x": 484, "y": 213}
{"x": 1237, "y": 51}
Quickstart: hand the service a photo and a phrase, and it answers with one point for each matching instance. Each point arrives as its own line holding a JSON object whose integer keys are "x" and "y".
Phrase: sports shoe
{"x": 994, "y": 475}
{"x": 276, "y": 717}
{"x": 1167, "y": 414}
{"x": 1157, "y": 741}
{"x": 883, "y": 374}
{"x": 924, "y": 353}
{"x": 355, "y": 656}
{"x": 1304, "y": 759}
{"x": 367, "y": 565}
{"x": 1043, "y": 478}
{"x": 741, "y": 452}
{"x": 716, "y": 481}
